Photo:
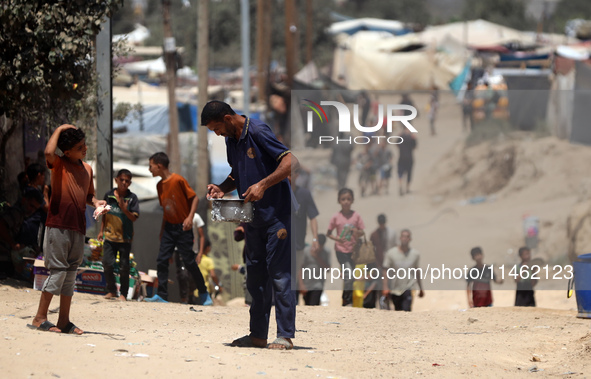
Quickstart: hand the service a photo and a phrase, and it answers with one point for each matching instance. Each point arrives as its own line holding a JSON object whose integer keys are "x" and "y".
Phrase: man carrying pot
{"x": 260, "y": 167}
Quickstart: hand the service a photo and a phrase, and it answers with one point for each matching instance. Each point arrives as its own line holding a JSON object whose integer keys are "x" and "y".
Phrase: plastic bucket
{"x": 582, "y": 277}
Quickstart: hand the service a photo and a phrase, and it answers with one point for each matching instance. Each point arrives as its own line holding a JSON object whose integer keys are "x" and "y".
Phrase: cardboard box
{"x": 90, "y": 280}
{"x": 149, "y": 283}
{"x": 40, "y": 273}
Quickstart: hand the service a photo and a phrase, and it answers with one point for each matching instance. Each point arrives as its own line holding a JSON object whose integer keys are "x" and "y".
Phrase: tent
{"x": 353, "y": 26}
{"x": 380, "y": 61}
{"x": 476, "y": 34}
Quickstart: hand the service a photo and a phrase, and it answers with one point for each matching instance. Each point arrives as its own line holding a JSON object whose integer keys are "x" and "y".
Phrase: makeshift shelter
{"x": 381, "y": 61}
{"x": 476, "y": 34}
{"x": 353, "y": 26}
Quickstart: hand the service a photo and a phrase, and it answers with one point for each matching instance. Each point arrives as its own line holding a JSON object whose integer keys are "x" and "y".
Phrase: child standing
{"x": 71, "y": 181}
{"x": 117, "y": 231}
{"x": 315, "y": 260}
{"x": 207, "y": 268}
{"x": 478, "y": 290}
{"x": 524, "y": 295}
{"x": 179, "y": 203}
{"x": 349, "y": 226}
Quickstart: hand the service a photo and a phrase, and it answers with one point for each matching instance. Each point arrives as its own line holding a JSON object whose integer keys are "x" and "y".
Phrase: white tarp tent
{"x": 476, "y": 33}
{"x": 359, "y": 24}
{"x": 380, "y": 61}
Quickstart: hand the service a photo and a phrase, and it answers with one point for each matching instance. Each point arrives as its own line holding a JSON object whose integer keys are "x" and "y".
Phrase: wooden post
{"x": 290, "y": 30}
{"x": 104, "y": 135}
{"x": 202, "y": 98}
{"x": 309, "y": 30}
{"x": 174, "y": 153}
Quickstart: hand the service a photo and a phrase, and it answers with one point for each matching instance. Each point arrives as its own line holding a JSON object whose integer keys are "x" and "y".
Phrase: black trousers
{"x": 173, "y": 236}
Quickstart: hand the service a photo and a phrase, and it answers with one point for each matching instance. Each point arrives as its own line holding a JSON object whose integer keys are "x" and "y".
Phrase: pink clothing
{"x": 344, "y": 225}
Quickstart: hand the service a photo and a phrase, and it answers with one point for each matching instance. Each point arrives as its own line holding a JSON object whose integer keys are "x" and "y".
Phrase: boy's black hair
{"x": 206, "y": 243}
{"x": 345, "y": 190}
{"x": 381, "y": 219}
{"x": 522, "y": 249}
{"x": 69, "y": 138}
{"x": 214, "y": 111}
{"x": 33, "y": 170}
{"x": 160, "y": 158}
{"x": 124, "y": 171}
{"x": 33, "y": 194}
{"x": 475, "y": 251}
{"x": 321, "y": 239}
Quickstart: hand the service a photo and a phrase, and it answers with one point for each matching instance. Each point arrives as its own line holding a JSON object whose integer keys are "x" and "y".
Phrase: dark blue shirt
{"x": 306, "y": 211}
{"x": 253, "y": 157}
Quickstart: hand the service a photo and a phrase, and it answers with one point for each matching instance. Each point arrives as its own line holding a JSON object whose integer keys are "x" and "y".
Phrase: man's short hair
{"x": 124, "y": 171}
{"x": 381, "y": 219}
{"x": 215, "y": 111}
{"x": 160, "y": 158}
{"x": 522, "y": 250}
{"x": 321, "y": 239}
{"x": 69, "y": 138}
{"x": 475, "y": 251}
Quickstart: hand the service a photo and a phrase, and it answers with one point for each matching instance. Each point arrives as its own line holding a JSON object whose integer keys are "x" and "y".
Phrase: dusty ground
{"x": 440, "y": 338}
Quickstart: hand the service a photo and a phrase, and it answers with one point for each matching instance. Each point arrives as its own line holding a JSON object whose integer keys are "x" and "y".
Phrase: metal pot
{"x": 231, "y": 210}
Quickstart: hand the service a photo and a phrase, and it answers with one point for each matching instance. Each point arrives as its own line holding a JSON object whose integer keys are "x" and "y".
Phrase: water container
{"x": 531, "y": 228}
{"x": 324, "y": 300}
{"x": 582, "y": 270}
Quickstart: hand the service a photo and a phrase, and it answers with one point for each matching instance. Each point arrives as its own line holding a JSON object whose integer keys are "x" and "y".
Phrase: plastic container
{"x": 582, "y": 278}
{"x": 531, "y": 229}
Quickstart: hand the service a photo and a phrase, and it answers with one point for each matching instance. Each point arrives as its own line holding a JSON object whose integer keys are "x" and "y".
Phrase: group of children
{"x": 65, "y": 227}
{"x": 72, "y": 184}
{"x": 349, "y": 227}
{"x": 479, "y": 286}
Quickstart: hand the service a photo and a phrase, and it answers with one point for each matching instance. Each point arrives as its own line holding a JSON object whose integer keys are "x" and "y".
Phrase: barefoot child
{"x": 72, "y": 189}
{"x": 349, "y": 226}
{"x": 117, "y": 231}
{"x": 524, "y": 295}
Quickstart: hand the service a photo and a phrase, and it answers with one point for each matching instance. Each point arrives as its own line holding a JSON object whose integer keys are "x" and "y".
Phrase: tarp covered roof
{"x": 374, "y": 24}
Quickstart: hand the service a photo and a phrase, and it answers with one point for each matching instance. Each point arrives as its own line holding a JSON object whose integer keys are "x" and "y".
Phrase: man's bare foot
{"x": 110, "y": 295}
{"x": 122, "y": 298}
{"x": 249, "y": 341}
{"x": 281, "y": 343}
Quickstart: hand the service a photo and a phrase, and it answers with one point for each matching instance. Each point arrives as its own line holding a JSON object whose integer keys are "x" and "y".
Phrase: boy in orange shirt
{"x": 179, "y": 203}
{"x": 65, "y": 228}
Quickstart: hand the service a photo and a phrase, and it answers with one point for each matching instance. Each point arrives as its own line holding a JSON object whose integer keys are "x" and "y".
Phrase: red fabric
{"x": 481, "y": 294}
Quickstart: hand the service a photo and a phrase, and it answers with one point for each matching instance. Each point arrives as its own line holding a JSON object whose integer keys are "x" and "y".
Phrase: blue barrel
{"x": 582, "y": 272}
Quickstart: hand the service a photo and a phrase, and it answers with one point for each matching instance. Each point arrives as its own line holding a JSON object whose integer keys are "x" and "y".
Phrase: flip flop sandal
{"x": 70, "y": 329}
{"x": 44, "y": 327}
{"x": 285, "y": 345}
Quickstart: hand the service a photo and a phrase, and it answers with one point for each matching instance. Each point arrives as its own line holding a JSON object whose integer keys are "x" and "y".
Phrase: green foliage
{"x": 510, "y": 13}
{"x": 46, "y": 66}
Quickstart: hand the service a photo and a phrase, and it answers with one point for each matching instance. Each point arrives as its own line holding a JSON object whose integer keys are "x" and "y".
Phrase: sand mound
{"x": 515, "y": 164}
